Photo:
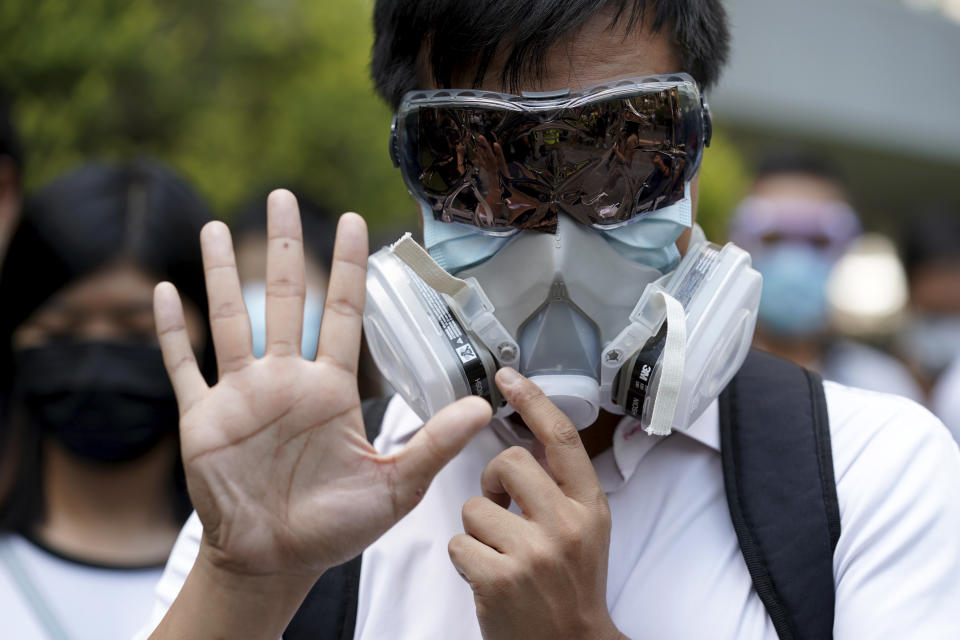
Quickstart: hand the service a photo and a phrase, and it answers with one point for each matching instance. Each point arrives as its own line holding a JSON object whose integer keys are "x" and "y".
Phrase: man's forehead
{"x": 598, "y": 52}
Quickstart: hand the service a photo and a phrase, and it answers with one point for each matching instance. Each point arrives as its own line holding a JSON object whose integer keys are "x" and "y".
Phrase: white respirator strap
{"x": 671, "y": 372}
{"x": 417, "y": 258}
{"x": 467, "y": 300}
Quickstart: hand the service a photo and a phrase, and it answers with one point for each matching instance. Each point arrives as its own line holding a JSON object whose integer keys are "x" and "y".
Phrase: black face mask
{"x": 104, "y": 401}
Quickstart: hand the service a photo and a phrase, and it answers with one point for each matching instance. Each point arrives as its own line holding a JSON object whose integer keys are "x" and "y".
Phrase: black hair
{"x": 318, "y": 223}
{"x": 91, "y": 218}
{"x": 782, "y": 161}
{"x": 448, "y": 36}
{"x": 931, "y": 236}
{"x": 9, "y": 141}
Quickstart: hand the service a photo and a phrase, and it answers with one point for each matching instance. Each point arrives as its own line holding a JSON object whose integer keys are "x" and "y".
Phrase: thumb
{"x": 434, "y": 445}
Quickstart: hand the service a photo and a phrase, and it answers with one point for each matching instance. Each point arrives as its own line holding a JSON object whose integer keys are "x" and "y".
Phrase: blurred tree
{"x": 239, "y": 95}
{"x": 724, "y": 180}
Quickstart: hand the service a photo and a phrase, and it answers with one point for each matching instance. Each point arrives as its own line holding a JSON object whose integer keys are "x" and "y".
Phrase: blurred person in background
{"x": 796, "y": 222}
{"x": 249, "y": 229}
{"x": 930, "y": 341}
{"x": 91, "y": 487}
{"x": 11, "y": 167}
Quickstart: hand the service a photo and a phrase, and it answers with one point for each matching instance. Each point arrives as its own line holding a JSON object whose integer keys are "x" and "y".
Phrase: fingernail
{"x": 509, "y": 376}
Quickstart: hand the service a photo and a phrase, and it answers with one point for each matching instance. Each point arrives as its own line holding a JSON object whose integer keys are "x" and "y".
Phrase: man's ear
{"x": 9, "y": 200}
{"x": 683, "y": 242}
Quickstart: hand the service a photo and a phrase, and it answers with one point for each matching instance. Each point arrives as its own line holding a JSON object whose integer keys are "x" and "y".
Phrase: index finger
{"x": 566, "y": 456}
{"x": 346, "y": 294}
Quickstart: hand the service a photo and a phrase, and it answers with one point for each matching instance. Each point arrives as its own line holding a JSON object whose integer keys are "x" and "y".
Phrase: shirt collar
{"x": 631, "y": 444}
{"x": 706, "y": 428}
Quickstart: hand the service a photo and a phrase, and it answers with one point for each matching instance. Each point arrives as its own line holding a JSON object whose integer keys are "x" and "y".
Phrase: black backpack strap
{"x": 329, "y": 612}
{"x": 373, "y": 410}
{"x": 778, "y": 472}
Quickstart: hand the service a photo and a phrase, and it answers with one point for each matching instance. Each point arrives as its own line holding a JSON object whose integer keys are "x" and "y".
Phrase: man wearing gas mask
{"x": 553, "y": 149}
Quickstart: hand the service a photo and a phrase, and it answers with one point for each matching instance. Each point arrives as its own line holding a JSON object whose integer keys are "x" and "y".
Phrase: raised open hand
{"x": 277, "y": 463}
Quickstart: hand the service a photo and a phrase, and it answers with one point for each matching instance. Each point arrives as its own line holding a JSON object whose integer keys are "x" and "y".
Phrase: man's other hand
{"x": 542, "y": 574}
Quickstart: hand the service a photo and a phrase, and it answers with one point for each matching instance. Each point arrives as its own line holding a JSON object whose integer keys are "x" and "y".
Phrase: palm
{"x": 291, "y": 425}
{"x": 277, "y": 463}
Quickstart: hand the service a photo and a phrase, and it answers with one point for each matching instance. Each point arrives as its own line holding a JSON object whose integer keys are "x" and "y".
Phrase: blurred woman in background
{"x": 91, "y": 488}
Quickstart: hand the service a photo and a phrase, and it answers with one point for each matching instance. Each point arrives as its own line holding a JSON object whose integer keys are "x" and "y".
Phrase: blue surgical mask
{"x": 456, "y": 246}
{"x": 794, "y": 299}
{"x": 255, "y": 298}
{"x": 650, "y": 240}
{"x": 932, "y": 340}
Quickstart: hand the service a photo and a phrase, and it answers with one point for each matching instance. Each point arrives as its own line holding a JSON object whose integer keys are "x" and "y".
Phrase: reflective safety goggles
{"x": 500, "y": 162}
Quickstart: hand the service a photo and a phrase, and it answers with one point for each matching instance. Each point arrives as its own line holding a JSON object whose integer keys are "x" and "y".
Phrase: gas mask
{"x": 558, "y": 214}
{"x": 591, "y": 328}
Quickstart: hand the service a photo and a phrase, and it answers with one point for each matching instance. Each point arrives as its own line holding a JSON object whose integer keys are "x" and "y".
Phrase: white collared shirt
{"x": 675, "y": 567}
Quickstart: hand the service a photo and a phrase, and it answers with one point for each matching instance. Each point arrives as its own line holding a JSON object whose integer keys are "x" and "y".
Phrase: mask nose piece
{"x": 576, "y": 396}
{"x": 560, "y": 353}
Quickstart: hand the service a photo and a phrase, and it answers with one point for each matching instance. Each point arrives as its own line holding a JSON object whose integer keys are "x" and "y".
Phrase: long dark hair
{"x": 140, "y": 212}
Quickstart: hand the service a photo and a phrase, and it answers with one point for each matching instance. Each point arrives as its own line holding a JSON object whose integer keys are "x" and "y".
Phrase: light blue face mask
{"x": 932, "y": 340}
{"x": 255, "y": 298}
{"x": 650, "y": 240}
{"x": 456, "y": 246}
{"x": 794, "y": 299}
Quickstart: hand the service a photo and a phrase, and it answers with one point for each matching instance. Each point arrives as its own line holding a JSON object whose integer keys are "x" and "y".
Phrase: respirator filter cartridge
{"x": 420, "y": 345}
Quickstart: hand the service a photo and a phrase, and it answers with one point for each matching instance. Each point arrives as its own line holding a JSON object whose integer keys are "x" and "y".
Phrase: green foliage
{"x": 724, "y": 180}
{"x": 239, "y": 96}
